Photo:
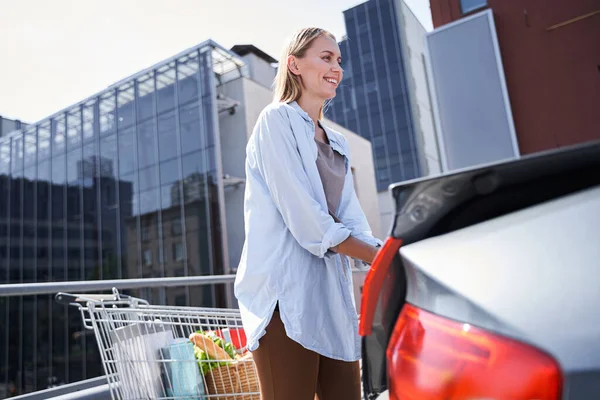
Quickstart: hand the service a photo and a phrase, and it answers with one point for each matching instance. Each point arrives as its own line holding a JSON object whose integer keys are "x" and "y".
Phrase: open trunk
{"x": 435, "y": 206}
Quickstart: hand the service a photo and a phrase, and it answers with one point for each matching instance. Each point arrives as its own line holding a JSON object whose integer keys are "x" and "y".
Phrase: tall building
{"x": 142, "y": 180}
{"x": 124, "y": 184}
{"x": 383, "y": 95}
{"x": 528, "y": 71}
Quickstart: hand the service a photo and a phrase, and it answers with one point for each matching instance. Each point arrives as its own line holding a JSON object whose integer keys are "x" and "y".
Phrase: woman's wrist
{"x": 356, "y": 248}
{"x": 374, "y": 253}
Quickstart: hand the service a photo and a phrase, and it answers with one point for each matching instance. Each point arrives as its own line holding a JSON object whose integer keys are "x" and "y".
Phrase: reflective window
{"x": 169, "y": 172}
{"x": 194, "y": 164}
{"x": 165, "y": 88}
{"x": 109, "y": 205}
{"x": 58, "y": 171}
{"x": 107, "y": 118}
{"x": 145, "y": 97}
{"x": 30, "y": 147}
{"x": 187, "y": 78}
{"x": 43, "y": 188}
{"x": 89, "y": 161}
{"x": 74, "y": 137}
{"x": 108, "y": 156}
{"x": 5, "y": 156}
{"x": 149, "y": 202}
{"x": 170, "y": 196}
{"x": 44, "y": 141}
{"x": 103, "y": 190}
{"x": 148, "y": 178}
{"x": 17, "y": 156}
{"x": 146, "y": 144}
{"x": 127, "y": 152}
{"x": 167, "y": 136}
{"x": 74, "y": 165}
{"x": 58, "y": 135}
{"x": 191, "y": 131}
{"x": 125, "y": 110}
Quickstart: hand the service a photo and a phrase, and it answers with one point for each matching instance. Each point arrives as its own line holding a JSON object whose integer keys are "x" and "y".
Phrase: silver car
{"x": 488, "y": 286}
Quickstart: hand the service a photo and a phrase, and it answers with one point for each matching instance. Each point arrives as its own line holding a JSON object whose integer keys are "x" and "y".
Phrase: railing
{"x": 27, "y": 289}
{"x": 96, "y": 388}
{"x": 89, "y": 389}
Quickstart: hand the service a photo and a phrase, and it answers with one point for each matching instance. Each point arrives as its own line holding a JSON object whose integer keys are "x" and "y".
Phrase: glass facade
{"x": 122, "y": 185}
{"x": 373, "y": 98}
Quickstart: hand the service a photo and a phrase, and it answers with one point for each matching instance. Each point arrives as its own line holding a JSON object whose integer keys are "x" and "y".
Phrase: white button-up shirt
{"x": 286, "y": 256}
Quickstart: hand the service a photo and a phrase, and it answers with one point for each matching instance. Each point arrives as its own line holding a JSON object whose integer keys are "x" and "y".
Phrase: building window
{"x": 176, "y": 226}
{"x": 145, "y": 230}
{"x": 147, "y": 257}
{"x": 178, "y": 251}
{"x": 467, "y": 6}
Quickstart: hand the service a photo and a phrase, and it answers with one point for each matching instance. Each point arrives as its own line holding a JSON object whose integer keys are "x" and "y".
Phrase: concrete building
{"x": 514, "y": 77}
{"x": 384, "y": 96}
{"x": 262, "y": 68}
{"x": 8, "y": 125}
{"x": 142, "y": 180}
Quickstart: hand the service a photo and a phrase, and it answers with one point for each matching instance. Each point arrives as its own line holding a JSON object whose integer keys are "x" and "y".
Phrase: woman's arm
{"x": 357, "y": 249}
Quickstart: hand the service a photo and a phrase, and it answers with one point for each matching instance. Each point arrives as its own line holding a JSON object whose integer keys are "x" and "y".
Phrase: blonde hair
{"x": 288, "y": 87}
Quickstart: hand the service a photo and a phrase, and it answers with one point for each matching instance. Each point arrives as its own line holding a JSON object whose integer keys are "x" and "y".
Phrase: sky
{"x": 56, "y": 53}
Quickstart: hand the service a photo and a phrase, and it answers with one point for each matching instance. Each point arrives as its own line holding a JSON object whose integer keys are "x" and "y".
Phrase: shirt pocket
{"x": 344, "y": 269}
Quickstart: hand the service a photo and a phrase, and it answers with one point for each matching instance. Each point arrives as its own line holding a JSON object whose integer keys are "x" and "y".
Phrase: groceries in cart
{"x": 226, "y": 369}
{"x": 164, "y": 352}
{"x": 209, "y": 346}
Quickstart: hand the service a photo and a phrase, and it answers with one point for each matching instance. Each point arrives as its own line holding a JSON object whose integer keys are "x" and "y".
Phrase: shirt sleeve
{"x": 273, "y": 151}
{"x": 353, "y": 217}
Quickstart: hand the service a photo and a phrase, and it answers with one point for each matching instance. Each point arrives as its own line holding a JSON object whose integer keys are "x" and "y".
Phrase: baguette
{"x": 209, "y": 347}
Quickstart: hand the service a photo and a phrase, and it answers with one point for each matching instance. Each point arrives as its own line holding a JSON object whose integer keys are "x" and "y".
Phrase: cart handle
{"x": 68, "y": 299}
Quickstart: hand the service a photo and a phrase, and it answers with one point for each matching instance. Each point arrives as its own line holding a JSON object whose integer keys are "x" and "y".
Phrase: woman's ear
{"x": 293, "y": 65}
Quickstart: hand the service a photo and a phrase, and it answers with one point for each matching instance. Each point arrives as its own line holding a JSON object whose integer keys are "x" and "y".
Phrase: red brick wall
{"x": 553, "y": 75}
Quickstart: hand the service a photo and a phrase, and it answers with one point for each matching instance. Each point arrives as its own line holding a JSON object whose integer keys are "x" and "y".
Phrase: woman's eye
{"x": 327, "y": 58}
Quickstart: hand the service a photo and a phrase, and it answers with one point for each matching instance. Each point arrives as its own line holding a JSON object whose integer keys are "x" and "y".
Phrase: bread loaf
{"x": 209, "y": 347}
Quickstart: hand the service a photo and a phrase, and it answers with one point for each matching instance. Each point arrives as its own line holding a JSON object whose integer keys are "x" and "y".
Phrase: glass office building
{"x": 125, "y": 184}
{"x": 373, "y": 98}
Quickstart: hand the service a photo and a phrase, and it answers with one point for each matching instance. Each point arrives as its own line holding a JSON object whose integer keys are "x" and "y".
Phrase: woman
{"x": 303, "y": 220}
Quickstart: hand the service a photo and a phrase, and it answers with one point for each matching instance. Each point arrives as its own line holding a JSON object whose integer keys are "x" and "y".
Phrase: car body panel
{"x": 532, "y": 275}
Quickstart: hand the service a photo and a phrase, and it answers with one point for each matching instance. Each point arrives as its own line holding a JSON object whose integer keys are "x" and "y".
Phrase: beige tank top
{"x": 332, "y": 169}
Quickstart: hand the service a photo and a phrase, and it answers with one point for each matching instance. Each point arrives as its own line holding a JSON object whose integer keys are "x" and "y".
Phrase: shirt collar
{"x": 330, "y": 136}
{"x": 299, "y": 110}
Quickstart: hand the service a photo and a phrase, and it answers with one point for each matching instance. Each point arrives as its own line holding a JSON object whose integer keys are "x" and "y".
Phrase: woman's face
{"x": 319, "y": 69}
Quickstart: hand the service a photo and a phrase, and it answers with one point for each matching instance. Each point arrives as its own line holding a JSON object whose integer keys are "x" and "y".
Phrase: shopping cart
{"x": 164, "y": 352}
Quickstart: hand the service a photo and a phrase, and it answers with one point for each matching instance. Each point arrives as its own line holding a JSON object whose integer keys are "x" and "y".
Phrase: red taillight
{"x": 430, "y": 357}
{"x": 374, "y": 283}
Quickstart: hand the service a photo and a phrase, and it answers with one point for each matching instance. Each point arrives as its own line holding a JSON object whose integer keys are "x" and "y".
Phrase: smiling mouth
{"x": 331, "y": 80}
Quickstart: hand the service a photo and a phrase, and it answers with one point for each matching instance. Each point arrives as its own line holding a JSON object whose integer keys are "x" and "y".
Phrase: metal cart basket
{"x": 164, "y": 352}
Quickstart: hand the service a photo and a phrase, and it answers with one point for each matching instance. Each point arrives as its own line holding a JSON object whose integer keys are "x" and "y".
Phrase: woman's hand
{"x": 355, "y": 248}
